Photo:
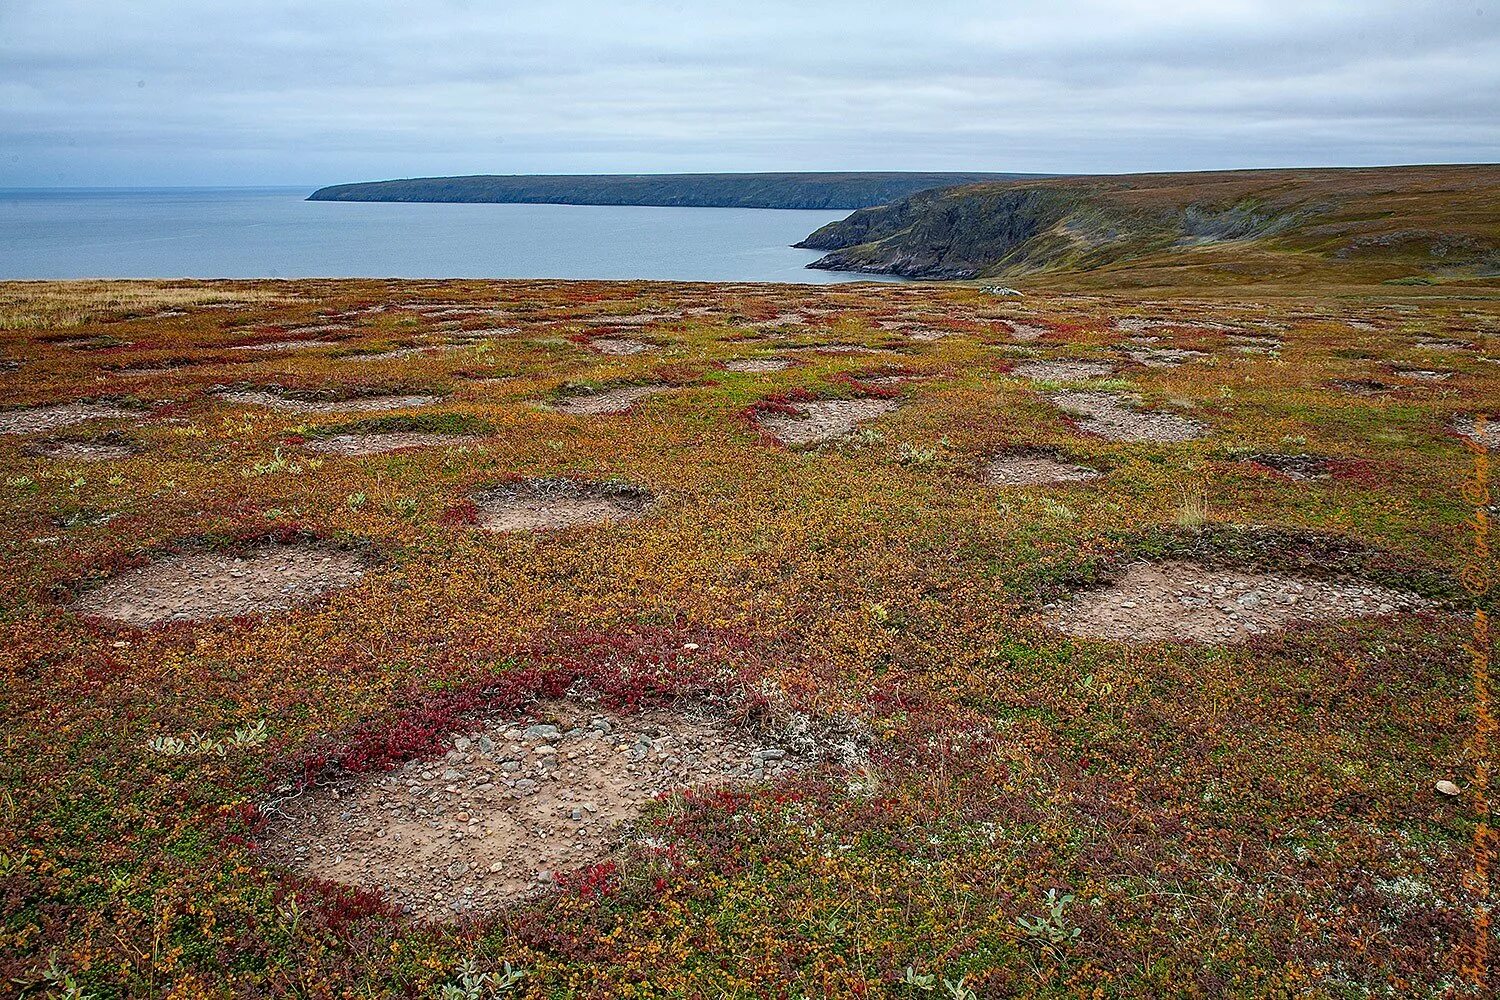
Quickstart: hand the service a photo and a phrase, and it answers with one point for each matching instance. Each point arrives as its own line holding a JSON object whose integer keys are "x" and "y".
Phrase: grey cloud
{"x": 174, "y": 91}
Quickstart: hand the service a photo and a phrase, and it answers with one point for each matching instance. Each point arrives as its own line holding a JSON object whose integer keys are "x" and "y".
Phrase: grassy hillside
{"x": 1371, "y": 225}
{"x": 783, "y": 190}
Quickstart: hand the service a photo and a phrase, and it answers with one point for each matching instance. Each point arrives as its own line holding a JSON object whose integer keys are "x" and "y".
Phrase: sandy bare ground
{"x": 607, "y": 401}
{"x": 550, "y": 504}
{"x": 197, "y": 586}
{"x": 383, "y": 443}
{"x": 1112, "y": 416}
{"x": 507, "y": 807}
{"x": 39, "y": 419}
{"x": 823, "y": 420}
{"x": 1186, "y": 602}
{"x": 1062, "y": 371}
{"x": 1031, "y": 469}
{"x": 757, "y": 365}
{"x": 354, "y": 404}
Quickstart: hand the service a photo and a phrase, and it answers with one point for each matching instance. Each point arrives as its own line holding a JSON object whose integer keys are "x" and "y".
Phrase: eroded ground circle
{"x": 756, "y": 365}
{"x": 608, "y": 401}
{"x": 1111, "y": 416}
{"x": 1188, "y": 602}
{"x": 509, "y": 806}
{"x": 1061, "y": 371}
{"x": 549, "y": 504}
{"x": 385, "y": 442}
{"x": 37, "y": 419}
{"x": 296, "y": 404}
{"x": 822, "y": 420}
{"x": 198, "y": 586}
{"x": 1034, "y": 469}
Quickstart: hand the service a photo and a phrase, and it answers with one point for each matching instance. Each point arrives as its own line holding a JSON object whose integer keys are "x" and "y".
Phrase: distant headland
{"x": 827, "y": 191}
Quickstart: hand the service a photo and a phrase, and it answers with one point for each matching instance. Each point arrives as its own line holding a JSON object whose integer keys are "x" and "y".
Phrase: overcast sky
{"x": 147, "y": 92}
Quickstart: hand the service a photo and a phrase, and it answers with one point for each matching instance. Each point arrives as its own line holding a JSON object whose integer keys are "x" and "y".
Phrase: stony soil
{"x": 1489, "y": 436}
{"x": 197, "y": 586}
{"x": 508, "y": 807}
{"x": 381, "y": 443}
{"x": 1110, "y": 416}
{"x": 549, "y": 504}
{"x": 1163, "y": 357}
{"x": 283, "y": 345}
{"x": 1186, "y": 602}
{"x": 39, "y": 419}
{"x": 1023, "y": 469}
{"x": 823, "y": 420}
{"x": 1299, "y": 467}
{"x": 757, "y": 365}
{"x": 609, "y": 401}
{"x": 82, "y": 451}
{"x": 1025, "y": 332}
{"x": 355, "y": 404}
{"x": 1061, "y": 371}
{"x": 619, "y": 345}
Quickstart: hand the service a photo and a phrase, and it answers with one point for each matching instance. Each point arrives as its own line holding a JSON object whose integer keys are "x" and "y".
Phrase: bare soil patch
{"x": 1301, "y": 468}
{"x": 1424, "y": 374}
{"x": 550, "y": 504}
{"x": 1361, "y": 387}
{"x": 757, "y": 365}
{"x": 101, "y": 449}
{"x": 1164, "y": 357}
{"x": 1062, "y": 371}
{"x": 822, "y": 420}
{"x": 1111, "y": 416}
{"x": 1188, "y": 602}
{"x": 198, "y": 586}
{"x": 509, "y": 807}
{"x": 314, "y": 403}
{"x": 608, "y": 401}
{"x": 384, "y": 442}
{"x": 300, "y": 344}
{"x": 397, "y": 353}
{"x": 1489, "y": 437}
{"x": 1025, "y": 332}
{"x": 619, "y": 345}
{"x": 39, "y": 419}
{"x": 1442, "y": 344}
{"x": 1034, "y": 468}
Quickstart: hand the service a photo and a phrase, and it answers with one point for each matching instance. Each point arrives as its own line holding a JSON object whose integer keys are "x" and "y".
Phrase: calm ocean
{"x": 274, "y": 233}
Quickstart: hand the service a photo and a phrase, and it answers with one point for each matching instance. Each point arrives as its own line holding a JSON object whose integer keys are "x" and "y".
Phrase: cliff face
{"x": 1412, "y": 218}
{"x": 781, "y": 190}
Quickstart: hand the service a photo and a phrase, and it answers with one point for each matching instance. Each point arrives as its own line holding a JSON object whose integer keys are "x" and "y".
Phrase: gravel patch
{"x": 1110, "y": 416}
{"x": 1164, "y": 357}
{"x": 283, "y": 345}
{"x": 757, "y": 365}
{"x": 1025, "y": 332}
{"x": 550, "y": 504}
{"x": 619, "y": 345}
{"x": 608, "y": 401}
{"x": 1187, "y": 602}
{"x": 508, "y": 808}
{"x": 822, "y": 420}
{"x": 64, "y": 450}
{"x": 198, "y": 586}
{"x": 1489, "y": 437}
{"x": 1034, "y": 469}
{"x": 356, "y": 404}
{"x": 38, "y": 419}
{"x": 1302, "y": 468}
{"x": 383, "y": 443}
{"x": 1062, "y": 371}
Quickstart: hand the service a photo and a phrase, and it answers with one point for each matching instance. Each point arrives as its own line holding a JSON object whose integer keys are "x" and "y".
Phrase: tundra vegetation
{"x": 817, "y": 656}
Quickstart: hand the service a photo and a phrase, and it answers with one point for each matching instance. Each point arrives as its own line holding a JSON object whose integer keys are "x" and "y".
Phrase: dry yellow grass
{"x": 32, "y": 305}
